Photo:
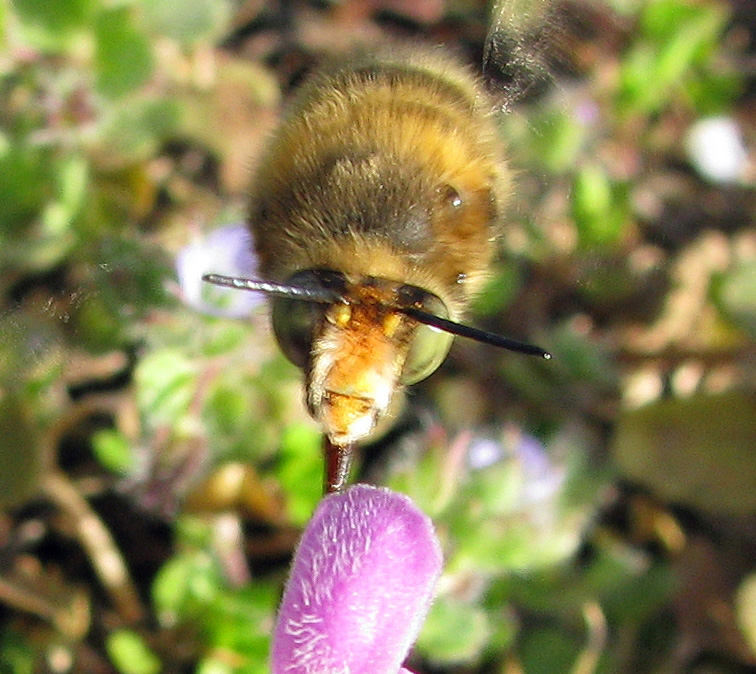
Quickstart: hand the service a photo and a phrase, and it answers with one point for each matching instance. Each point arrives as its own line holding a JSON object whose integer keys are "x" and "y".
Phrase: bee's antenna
{"x": 474, "y": 333}
{"x": 292, "y": 292}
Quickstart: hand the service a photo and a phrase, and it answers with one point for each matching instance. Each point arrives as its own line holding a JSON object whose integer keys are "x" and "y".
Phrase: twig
{"x": 588, "y": 659}
{"x": 95, "y": 538}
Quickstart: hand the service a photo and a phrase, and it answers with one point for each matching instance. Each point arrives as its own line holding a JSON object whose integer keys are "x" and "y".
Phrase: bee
{"x": 375, "y": 214}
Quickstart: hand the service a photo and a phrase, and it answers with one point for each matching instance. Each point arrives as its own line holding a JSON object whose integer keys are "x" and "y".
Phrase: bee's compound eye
{"x": 429, "y": 347}
{"x": 294, "y": 323}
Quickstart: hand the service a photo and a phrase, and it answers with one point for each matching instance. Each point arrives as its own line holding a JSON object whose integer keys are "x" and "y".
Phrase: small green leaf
{"x": 454, "y": 631}
{"x": 241, "y": 621}
{"x": 227, "y": 408}
{"x": 130, "y": 654}
{"x": 57, "y": 216}
{"x": 73, "y": 178}
{"x": 677, "y": 37}
{"x": 187, "y": 20}
{"x": 15, "y": 653}
{"x": 113, "y": 451}
{"x": 557, "y": 138}
{"x": 227, "y": 336}
{"x": 184, "y": 586}
{"x": 123, "y": 58}
{"x": 499, "y": 291}
{"x": 166, "y": 381}
{"x": 26, "y": 177}
{"x": 133, "y": 130}
{"x": 596, "y": 207}
{"x": 679, "y": 54}
{"x": 735, "y": 294}
{"x": 301, "y": 470}
{"x": 3, "y": 41}
{"x": 215, "y": 665}
{"x": 50, "y": 24}
{"x": 99, "y": 328}
{"x": 546, "y": 651}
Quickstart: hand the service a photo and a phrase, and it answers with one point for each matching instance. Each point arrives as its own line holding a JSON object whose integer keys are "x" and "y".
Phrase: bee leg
{"x": 338, "y": 461}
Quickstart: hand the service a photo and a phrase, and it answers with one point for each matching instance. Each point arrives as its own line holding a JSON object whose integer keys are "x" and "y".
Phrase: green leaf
{"x": 134, "y": 129}
{"x": 696, "y": 451}
{"x": 192, "y": 589}
{"x": 188, "y": 20}
{"x": 26, "y": 177}
{"x": 73, "y": 178}
{"x": 735, "y": 294}
{"x": 301, "y": 470}
{"x": 51, "y": 24}
{"x": 227, "y": 409}
{"x": 166, "y": 380}
{"x": 240, "y": 621}
{"x": 113, "y": 451}
{"x": 98, "y": 327}
{"x": 597, "y": 207}
{"x": 16, "y": 655}
{"x": 130, "y": 654}
{"x": 58, "y": 215}
{"x": 689, "y": 43}
{"x": 676, "y": 37}
{"x": 184, "y": 587}
{"x": 3, "y": 39}
{"x": 123, "y": 59}
{"x": 31, "y": 348}
{"x": 499, "y": 291}
{"x": 454, "y": 631}
{"x": 545, "y": 651}
{"x": 557, "y": 138}
{"x": 227, "y": 337}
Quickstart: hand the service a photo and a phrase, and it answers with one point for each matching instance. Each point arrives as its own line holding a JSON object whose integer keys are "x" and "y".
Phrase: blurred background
{"x": 598, "y": 511}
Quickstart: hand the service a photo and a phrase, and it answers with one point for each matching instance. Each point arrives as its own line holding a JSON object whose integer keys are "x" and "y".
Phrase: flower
{"x": 360, "y": 586}
{"x": 715, "y": 147}
{"x": 226, "y": 250}
{"x": 540, "y": 477}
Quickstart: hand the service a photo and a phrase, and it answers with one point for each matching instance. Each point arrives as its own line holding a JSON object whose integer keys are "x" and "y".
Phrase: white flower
{"x": 715, "y": 147}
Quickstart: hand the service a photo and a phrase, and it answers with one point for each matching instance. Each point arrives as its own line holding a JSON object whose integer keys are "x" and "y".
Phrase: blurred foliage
{"x": 597, "y": 511}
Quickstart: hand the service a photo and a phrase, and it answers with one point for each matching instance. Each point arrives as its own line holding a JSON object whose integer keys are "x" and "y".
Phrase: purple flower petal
{"x": 225, "y": 250}
{"x": 541, "y": 477}
{"x": 362, "y": 581}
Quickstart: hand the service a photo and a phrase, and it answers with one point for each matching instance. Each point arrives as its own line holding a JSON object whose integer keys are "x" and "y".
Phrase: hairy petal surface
{"x": 360, "y": 586}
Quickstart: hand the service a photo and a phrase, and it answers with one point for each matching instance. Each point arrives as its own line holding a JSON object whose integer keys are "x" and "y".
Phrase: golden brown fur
{"x": 386, "y": 169}
{"x": 363, "y": 173}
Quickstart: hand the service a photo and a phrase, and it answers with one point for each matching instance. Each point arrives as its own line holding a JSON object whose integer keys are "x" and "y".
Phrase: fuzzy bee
{"x": 375, "y": 214}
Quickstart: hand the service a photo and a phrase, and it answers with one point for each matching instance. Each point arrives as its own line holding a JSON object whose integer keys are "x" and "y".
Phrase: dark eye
{"x": 429, "y": 345}
{"x": 294, "y": 322}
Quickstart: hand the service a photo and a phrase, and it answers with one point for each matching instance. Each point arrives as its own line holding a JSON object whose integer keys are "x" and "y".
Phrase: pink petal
{"x": 362, "y": 581}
